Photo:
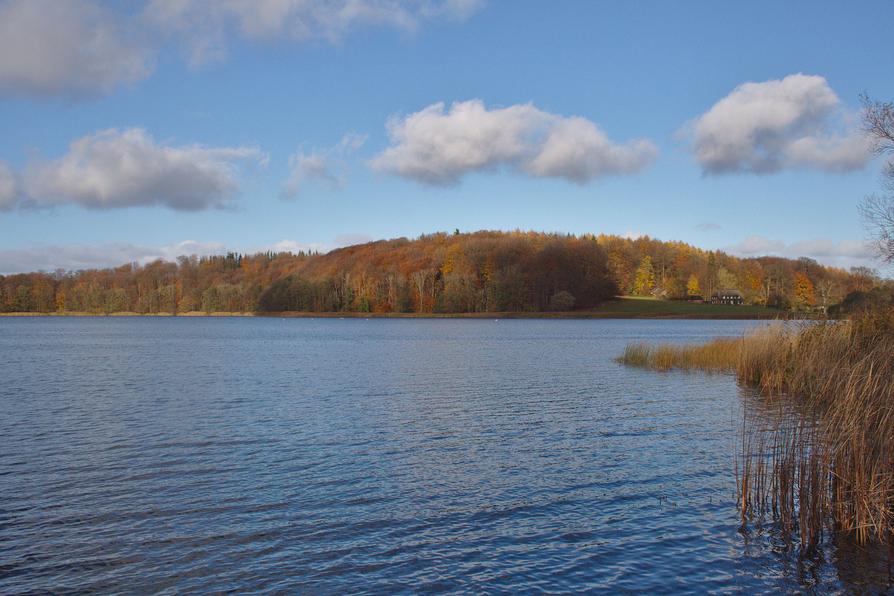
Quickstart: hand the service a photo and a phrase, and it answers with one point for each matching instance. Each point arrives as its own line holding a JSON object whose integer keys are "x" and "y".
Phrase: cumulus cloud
{"x": 842, "y": 253}
{"x": 327, "y": 166}
{"x": 127, "y": 168}
{"x": 74, "y": 49}
{"x": 439, "y": 146}
{"x": 8, "y": 187}
{"x": 87, "y": 48}
{"x": 81, "y": 256}
{"x": 764, "y": 127}
{"x": 204, "y": 25}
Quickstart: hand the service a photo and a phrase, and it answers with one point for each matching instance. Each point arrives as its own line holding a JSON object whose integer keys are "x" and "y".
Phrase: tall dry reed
{"x": 818, "y": 454}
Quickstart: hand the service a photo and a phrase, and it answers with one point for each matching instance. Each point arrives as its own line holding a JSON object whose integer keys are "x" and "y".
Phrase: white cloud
{"x": 87, "y": 48}
{"x": 439, "y": 147}
{"x": 327, "y": 166}
{"x": 708, "y": 226}
{"x": 205, "y": 25}
{"x": 342, "y": 240}
{"x": 844, "y": 253}
{"x": 80, "y": 256}
{"x": 294, "y": 247}
{"x": 73, "y": 257}
{"x": 574, "y": 148}
{"x": 764, "y": 127}
{"x": 126, "y": 168}
{"x": 823, "y": 248}
{"x": 757, "y": 246}
{"x": 74, "y": 48}
{"x": 8, "y": 187}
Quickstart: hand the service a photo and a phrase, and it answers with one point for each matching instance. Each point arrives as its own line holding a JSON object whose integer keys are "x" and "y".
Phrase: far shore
{"x": 493, "y": 315}
{"x": 624, "y": 307}
{"x": 67, "y": 313}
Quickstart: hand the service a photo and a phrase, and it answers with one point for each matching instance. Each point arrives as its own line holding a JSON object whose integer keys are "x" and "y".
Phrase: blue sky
{"x": 604, "y": 117}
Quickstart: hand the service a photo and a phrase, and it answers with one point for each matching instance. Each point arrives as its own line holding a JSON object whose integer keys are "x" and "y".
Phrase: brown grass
{"x": 719, "y": 355}
{"x": 818, "y": 445}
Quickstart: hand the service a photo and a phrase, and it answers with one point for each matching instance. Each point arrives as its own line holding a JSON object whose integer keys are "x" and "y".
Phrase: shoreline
{"x": 772, "y": 315}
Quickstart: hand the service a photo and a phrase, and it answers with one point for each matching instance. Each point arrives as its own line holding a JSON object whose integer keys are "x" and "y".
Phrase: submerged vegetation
{"x": 818, "y": 447}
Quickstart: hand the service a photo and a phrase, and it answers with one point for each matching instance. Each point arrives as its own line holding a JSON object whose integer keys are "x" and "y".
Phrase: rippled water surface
{"x": 332, "y": 456}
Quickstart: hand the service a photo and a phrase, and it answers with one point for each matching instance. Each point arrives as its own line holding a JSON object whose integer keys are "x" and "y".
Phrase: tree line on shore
{"x": 483, "y": 271}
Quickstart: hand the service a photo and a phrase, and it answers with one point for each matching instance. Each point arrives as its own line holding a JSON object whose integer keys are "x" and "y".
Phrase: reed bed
{"x": 719, "y": 355}
{"x": 818, "y": 446}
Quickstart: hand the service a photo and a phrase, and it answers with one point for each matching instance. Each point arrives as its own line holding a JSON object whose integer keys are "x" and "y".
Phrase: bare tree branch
{"x": 878, "y": 122}
{"x": 878, "y": 216}
{"x": 877, "y": 211}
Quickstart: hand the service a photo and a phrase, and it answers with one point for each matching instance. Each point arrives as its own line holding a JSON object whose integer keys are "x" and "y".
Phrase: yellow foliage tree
{"x": 692, "y": 287}
{"x": 804, "y": 291}
{"x": 645, "y": 277}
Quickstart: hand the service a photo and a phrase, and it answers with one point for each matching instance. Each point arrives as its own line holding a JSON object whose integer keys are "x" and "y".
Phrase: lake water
{"x": 380, "y": 456}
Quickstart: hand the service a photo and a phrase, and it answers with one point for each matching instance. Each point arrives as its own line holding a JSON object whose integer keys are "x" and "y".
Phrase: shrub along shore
{"x": 818, "y": 450}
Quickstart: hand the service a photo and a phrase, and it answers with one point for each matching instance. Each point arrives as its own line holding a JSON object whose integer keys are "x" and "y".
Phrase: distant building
{"x": 732, "y": 297}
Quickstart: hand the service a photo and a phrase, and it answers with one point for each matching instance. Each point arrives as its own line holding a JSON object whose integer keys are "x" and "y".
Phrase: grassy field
{"x": 636, "y": 307}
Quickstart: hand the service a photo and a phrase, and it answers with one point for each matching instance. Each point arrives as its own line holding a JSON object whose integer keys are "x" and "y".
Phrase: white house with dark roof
{"x": 731, "y": 297}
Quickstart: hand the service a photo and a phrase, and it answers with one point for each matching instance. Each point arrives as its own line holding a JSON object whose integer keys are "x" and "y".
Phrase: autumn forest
{"x": 438, "y": 273}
